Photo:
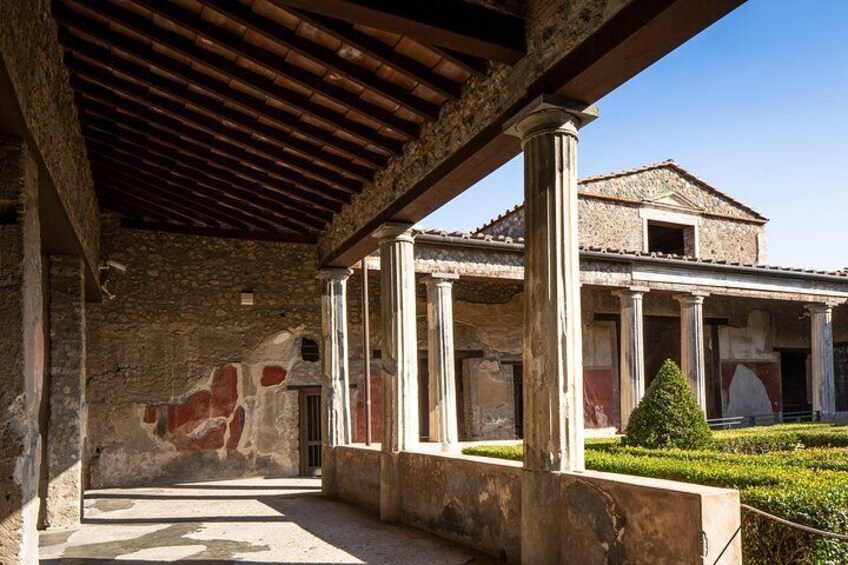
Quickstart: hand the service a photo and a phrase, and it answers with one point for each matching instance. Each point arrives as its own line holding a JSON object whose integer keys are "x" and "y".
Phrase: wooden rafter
{"x": 221, "y": 118}
{"x": 103, "y": 83}
{"x": 361, "y": 41}
{"x": 319, "y": 54}
{"x": 259, "y": 82}
{"x": 462, "y": 26}
{"x": 172, "y": 140}
{"x": 155, "y": 166}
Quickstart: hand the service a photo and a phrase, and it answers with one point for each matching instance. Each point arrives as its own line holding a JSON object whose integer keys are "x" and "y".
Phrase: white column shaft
{"x": 632, "y": 363}
{"x": 692, "y": 345}
{"x": 400, "y": 345}
{"x": 442, "y": 385}
{"x": 821, "y": 360}
{"x": 335, "y": 385}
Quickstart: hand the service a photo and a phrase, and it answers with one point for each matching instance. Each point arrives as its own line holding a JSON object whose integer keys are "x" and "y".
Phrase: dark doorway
{"x": 423, "y": 399}
{"x": 460, "y": 400}
{"x": 793, "y": 370}
{"x": 518, "y": 397}
{"x": 310, "y": 432}
{"x": 662, "y": 341}
{"x": 840, "y": 366}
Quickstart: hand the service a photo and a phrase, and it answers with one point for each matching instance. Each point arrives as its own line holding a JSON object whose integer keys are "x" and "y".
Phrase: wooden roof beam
{"x": 197, "y": 200}
{"x": 79, "y": 33}
{"x": 200, "y": 173}
{"x": 102, "y": 80}
{"x": 317, "y": 53}
{"x": 202, "y": 157}
{"x": 110, "y": 185}
{"x": 238, "y": 213}
{"x": 376, "y": 49}
{"x": 462, "y": 26}
{"x": 155, "y": 165}
{"x": 186, "y": 47}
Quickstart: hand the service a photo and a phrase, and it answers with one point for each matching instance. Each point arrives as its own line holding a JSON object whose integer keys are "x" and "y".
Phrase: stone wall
{"x": 611, "y": 210}
{"x": 185, "y": 382}
{"x": 31, "y": 59}
{"x": 605, "y": 518}
{"x": 22, "y": 353}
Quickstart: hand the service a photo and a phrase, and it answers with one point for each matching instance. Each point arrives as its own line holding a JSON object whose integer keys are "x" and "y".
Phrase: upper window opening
{"x": 669, "y": 239}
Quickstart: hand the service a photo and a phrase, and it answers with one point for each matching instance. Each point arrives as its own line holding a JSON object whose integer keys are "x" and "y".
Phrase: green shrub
{"x": 668, "y": 415}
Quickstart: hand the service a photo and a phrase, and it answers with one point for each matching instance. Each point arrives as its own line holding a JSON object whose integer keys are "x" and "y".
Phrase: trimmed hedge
{"x": 668, "y": 415}
{"x": 808, "y": 485}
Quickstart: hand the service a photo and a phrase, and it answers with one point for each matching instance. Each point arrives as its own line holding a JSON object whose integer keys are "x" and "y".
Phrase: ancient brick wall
{"x": 185, "y": 382}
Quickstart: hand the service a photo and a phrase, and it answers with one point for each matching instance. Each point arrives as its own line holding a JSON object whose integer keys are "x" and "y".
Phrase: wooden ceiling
{"x": 258, "y": 118}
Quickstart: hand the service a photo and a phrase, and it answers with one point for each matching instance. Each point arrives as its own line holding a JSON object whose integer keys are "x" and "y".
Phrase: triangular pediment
{"x": 672, "y": 199}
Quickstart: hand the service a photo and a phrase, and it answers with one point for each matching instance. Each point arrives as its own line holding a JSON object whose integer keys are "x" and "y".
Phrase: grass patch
{"x": 797, "y": 471}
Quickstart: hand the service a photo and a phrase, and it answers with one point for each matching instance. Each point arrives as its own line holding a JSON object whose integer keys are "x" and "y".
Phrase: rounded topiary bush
{"x": 668, "y": 415}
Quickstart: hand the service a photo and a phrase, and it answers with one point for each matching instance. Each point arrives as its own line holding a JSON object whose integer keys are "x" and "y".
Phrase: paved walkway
{"x": 249, "y": 521}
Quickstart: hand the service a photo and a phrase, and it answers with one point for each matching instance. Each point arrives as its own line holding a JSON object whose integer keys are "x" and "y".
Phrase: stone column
{"x": 632, "y": 347}
{"x": 692, "y": 344}
{"x": 443, "y": 421}
{"x": 335, "y": 387}
{"x": 553, "y": 363}
{"x": 22, "y": 353}
{"x": 399, "y": 359}
{"x": 821, "y": 360}
{"x": 66, "y": 431}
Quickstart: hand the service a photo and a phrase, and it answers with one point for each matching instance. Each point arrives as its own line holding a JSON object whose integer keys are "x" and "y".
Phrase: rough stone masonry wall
{"x": 66, "y": 389}
{"x": 21, "y": 354}
{"x": 32, "y": 58}
{"x": 617, "y": 224}
{"x": 184, "y": 382}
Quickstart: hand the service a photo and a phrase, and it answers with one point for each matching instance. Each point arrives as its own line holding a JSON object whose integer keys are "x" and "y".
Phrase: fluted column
{"x": 553, "y": 364}
{"x": 632, "y": 361}
{"x": 821, "y": 359}
{"x": 443, "y": 422}
{"x": 399, "y": 359}
{"x": 692, "y": 344}
{"x": 335, "y": 389}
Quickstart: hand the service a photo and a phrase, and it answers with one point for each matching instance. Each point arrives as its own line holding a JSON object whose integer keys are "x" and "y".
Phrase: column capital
{"x": 394, "y": 231}
{"x": 339, "y": 274}
{"x": 819, "y": 307}
{"x": 631, "y": 292}
{"x": 440, "y": 278}
{"x": 549, "y": 113}
{"x": 691, "y": 297}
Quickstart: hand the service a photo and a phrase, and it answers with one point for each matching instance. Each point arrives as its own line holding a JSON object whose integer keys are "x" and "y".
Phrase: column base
{"x": 541, "y": 517}
{"x": 390, "y": 490}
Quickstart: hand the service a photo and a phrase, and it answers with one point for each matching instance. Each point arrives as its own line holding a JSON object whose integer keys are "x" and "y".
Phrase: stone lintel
{"x": 394, "y": 231}
{"x": 547, "y": 112}
{"x": 333, "y": 273}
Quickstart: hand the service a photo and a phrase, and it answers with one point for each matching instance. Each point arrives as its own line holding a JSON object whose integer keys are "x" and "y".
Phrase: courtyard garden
{"x": 798, "y": 472}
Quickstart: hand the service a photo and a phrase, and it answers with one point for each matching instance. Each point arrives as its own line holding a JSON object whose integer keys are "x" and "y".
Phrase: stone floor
{"x": 247, "y": 521}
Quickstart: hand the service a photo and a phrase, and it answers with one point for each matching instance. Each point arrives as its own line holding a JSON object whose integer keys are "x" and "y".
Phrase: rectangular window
{"x": 671, "y": 239}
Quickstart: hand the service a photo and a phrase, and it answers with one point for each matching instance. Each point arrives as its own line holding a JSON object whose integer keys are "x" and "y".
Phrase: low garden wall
{"x": 605, "y": 517}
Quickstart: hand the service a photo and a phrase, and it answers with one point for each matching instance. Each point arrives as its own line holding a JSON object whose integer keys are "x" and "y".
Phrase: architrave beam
{"x": 462, "y": 26}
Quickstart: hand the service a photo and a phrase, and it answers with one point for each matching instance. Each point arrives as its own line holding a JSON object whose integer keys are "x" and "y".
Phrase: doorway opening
{"x": 310, "y": 432}
{"x": 793, "y": 383}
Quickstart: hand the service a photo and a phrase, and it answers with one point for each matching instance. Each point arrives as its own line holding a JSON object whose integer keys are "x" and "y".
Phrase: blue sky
{"x": 756, "y": 105}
